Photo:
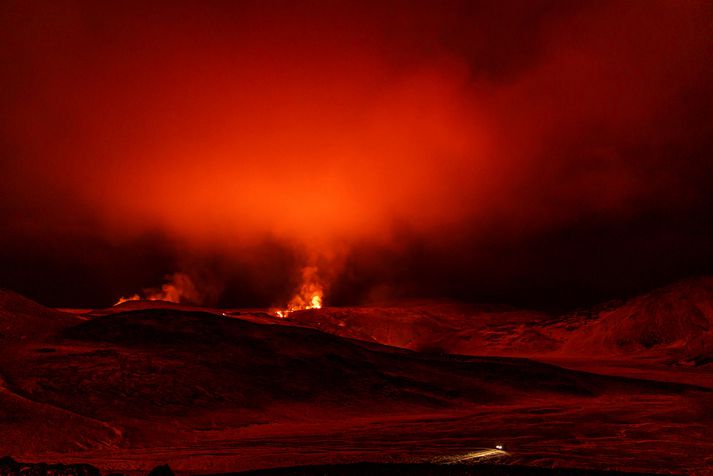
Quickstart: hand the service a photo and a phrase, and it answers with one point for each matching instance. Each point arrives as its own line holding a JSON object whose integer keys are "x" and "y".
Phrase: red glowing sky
{"x": 353, "y": 129}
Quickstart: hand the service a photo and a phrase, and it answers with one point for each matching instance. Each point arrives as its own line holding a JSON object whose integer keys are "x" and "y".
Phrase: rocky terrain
{"x": 674, "y": 323}
{"x": 208, "y": 390}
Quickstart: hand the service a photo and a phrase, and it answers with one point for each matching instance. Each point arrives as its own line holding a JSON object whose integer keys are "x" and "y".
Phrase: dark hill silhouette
{"x": 22, "y": 318}
{"x": 676, "y": 320}
{"x": 189, "y": 383}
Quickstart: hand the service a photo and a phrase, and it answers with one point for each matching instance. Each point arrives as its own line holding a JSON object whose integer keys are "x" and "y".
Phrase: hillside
{"x": 676, "y": 320}
{"x": 24, "y": 319}
{"x": 132, "y": 389}
{"x": 437, "y": 328}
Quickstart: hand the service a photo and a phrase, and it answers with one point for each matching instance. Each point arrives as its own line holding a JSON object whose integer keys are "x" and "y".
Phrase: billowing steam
{"x": 179, "y": 289}
{"x": 309, "y": 296}
{"x": 460, "y": 136}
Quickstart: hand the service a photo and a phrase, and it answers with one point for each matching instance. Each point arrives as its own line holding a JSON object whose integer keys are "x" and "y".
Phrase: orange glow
{"x": 234, "y": 140}
{"x": 220, "y": 127}
{"x": 134, "y": 297}
{"x": 309, "y": 296}
{"x": 179, "y": 289}
{"x": 234, "y": 136}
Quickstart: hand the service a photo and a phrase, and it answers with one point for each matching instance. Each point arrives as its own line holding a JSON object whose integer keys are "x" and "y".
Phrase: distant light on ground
{"x": 476, "y": 456}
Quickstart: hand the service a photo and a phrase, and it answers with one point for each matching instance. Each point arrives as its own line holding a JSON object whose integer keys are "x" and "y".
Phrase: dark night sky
{"x": 540, "y": 153}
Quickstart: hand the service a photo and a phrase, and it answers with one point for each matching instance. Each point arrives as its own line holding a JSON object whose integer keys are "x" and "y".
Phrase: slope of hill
{"x": 676, "y": 320}
{"x": 21, "y": 318}
{"x": 159, "y": 384}
{"x": 142, "y": 370}
{"x": 179, "y": 359}
{"x": 437, "y": 328}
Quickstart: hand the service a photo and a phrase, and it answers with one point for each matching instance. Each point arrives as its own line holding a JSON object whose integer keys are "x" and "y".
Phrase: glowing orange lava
{"x": 309, "y": 296}
{"x": 135, "y": 297}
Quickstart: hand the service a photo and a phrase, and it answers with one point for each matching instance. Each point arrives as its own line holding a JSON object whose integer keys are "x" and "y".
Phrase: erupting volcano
{"x": 309, "y": 296}
{"x": 356, "y": 237}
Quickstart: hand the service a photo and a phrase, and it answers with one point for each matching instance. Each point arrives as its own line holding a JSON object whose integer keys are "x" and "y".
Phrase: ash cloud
{"x": 522, "y": 151}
